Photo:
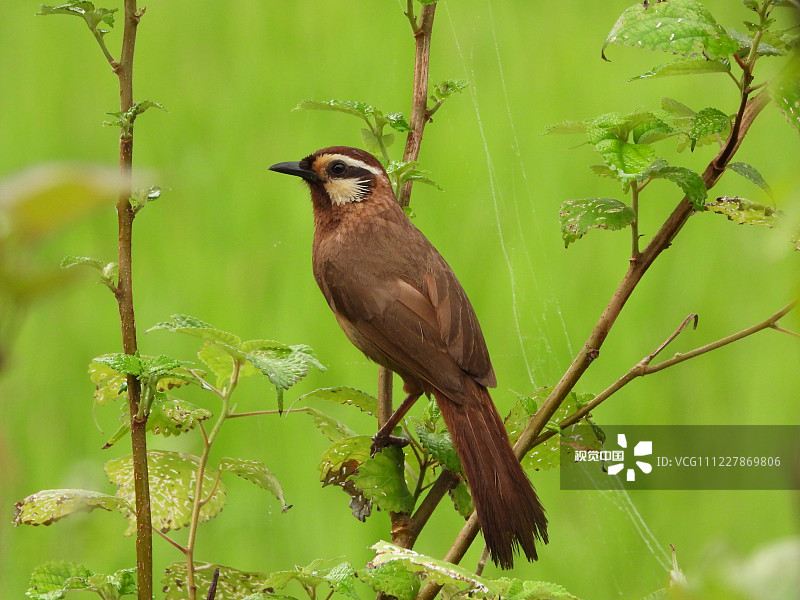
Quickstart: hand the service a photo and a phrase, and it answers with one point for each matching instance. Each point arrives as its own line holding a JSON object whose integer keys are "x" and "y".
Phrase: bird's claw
{"x": 381, "y": 441}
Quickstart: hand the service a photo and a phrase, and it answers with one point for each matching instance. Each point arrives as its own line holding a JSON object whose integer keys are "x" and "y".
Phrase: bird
{"x": 399, "y": 302}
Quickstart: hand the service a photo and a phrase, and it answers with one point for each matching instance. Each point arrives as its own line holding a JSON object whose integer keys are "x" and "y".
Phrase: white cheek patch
{"x": 342, "y": 191}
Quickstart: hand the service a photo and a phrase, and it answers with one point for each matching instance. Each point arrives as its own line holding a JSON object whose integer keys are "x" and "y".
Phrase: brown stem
{"x": 124, "y": 296}
{"x": 419, "y": 103}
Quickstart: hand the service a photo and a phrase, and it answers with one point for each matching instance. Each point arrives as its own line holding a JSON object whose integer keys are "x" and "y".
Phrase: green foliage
{"x": 785, "y": 91}
{"x": 579, "y": 216}
{"x": 232, "y": 584}
{"x": 332, "y": 428}
{"x": 347, "y": 396}
{"x": 52, "y": 580}
{"x": 440, "y": 445}
{"x": 109, "y": 272}
{"x": 393, "y": 579}
{"x": 339, "y": 463}
{"x": 173, "y": 477}
{"x": 124, "y": 120}
{"x": 689, "y": 181}
{"x": 48, "y": 506}
{"x": 257, "y": 473}
{"x": 168, "y": 416}
{"x": 708, "y": 122}
{"x": 94, "y": 17}
{"x": 682, "y": 27}
{"x": 381, "y": 478}
{"x": 687, "y": 66}
{"x": 749, "y": 172}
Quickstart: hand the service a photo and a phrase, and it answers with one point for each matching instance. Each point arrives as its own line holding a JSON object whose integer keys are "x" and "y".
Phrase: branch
{"x": 124, "y": 296}
{"x": 749, "y": 110}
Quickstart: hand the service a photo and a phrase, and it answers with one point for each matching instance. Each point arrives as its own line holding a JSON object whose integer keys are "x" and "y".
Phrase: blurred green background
{"x": 229, "y": 242}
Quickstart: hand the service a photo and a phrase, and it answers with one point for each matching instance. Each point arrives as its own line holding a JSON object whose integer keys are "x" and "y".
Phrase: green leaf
{"x": 707, "y": 122}
{"x": 195, "y": 327}
{"x": 689, "y": 181}
{"x": 219, "y": 361}
{"x": 332, "y": 428}
{"x": 628, "y": 161}
{"x": 52, "y": 580}
{"x": 400, "y": 172}
{"x": 345, "y": 395}
{"x": 462, "y": 499}
{"x": 398, "y": 122}
{"x": 393, "y": 579}
{"x": 514, "y": 589}
{"x": 441, "y": 447}
{"x": 748, "y": 171}
{"x": 785, "y": 91}
{"x": 436, "y": 571}
{"x": 257, "y": 473}
{"x": 357, "y": 109}
{"x": 172, "y": 485}
{"x": 340, "y": 578}
{"x": 442, "y": 91}
{"x": 679, "y": 26}
{"x": 675, "y": 108}
{"x": 337, "y": 465}
{"x": 110, "y": 384}
{"x": 579, "y": 216}
{"x": 232, "y": 584}
{"x": 382, "y": 480}
{"x": 141, "y": 197}
{"x": 686, "y": 66}
{"x": 127, "y": 364}
{"x": 79, "y": 8}
{"x": 124, "y": 120}
{"x": 168, "y": 416}
{"x": 745, "y": 212}
{"x": 48, "y": 506}
{"x": 652, "y": 131}
{"x": 283, "y": 365}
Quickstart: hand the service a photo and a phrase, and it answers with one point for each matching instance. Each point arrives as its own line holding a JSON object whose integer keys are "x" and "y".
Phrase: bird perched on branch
{"x": 399, "y": 302}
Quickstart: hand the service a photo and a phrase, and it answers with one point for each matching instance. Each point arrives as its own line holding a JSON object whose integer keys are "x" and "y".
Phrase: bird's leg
{"x": 384, "y": 436}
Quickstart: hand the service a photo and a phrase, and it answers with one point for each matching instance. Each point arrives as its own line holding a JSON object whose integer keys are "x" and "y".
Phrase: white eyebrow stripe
{"x": 354, "y": 163}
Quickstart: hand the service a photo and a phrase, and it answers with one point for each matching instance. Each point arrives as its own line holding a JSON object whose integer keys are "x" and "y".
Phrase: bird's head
{"x": 339, "y": 175}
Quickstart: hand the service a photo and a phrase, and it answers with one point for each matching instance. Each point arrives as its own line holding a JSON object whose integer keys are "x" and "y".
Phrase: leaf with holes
{"x": 744, "y": 212}
{"x": 172, "y": 484}
{"x": 345, "y": 395}
{"x": 52, "y": 580}
{"x": 232, "y": 584}
{"x": 257, "y": 473}
{"x": 382, "y": 479}
{"x": 434, "y": 570}
{"x": 689, "y": 181}
{"x": 168, "y": 416}
{"x": 680, "y": 27}
{"x": 339, "y": 463}
{"x": 579, "y": 216}
{"x": 48, "y": 506}
{"x": 109, "y": 384}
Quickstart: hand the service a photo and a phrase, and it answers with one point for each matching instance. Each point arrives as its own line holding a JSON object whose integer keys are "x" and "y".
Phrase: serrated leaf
{"x": 514, "y": 589}
{"x": 339, "y": 462}
{"x": 332, "y": 428}
{"x": 690, "y": 182}
{"x": 345, "y": 395}
{"x": 200, "y": 329}
{"x": 785, "y": 90}
{"x": 219, "y": 361}
{"x": 342, "y": 579}
{"x": 160, "y": 365}
{"x": 748, "y": 171}
{"x": 688, "y": 66}
{"x": 172, "y": 485}
{"x": 393, "y": 579}
{"x": 462, "y": 499}
{"x": 440, "y": 446}
{"x": 398, "y": 122}
{"x": 168, "y": 416}
{"x": 52, "y": 580}
{"x": 71, "y": 261}
{"x": 706, "y": 122}
{"x": 434, "y": 570}
{"x": 357, "y": 109}
{"x": 232, "y": 584}
{"x": 579, "y": 216}
{"x": 284, "y": 365}
{"x": 683, "y": 27}
{"x": 48, "y": 506}
{"x": 627, "y": 160}
{"x": 257, "y": 473}
{"x": 745, "y": 212}
{"x": 80, "y": 8}
{"x": 442, "y": 91}
{"x": 127, "y": 364}
{"x": 652, "y": 131}
{"x": 382, "y": 479}
{"x": 110, "y": 385}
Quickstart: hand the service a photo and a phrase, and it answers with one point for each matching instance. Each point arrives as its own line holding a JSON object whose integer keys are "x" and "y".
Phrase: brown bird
{"x": 399, "y": 302}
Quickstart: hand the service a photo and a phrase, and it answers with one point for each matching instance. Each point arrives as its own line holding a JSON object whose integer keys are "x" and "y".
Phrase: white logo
{"x": 644, "y": 448}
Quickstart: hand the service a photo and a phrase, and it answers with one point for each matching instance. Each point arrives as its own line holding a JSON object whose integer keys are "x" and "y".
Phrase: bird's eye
{"x": 337, "y": 168}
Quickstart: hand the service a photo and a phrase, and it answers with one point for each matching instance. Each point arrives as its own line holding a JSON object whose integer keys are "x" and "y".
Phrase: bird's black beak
{"x": 294, "y": 168}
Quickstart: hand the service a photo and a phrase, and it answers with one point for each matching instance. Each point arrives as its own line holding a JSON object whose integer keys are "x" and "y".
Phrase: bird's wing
{"x": 430, "y": 333}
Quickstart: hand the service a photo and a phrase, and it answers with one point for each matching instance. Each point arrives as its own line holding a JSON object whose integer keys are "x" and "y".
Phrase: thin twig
{"x": 170, "y": 540}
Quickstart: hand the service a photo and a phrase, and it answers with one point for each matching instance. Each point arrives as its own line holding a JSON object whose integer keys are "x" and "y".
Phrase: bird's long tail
{"x": 509, "y": 511}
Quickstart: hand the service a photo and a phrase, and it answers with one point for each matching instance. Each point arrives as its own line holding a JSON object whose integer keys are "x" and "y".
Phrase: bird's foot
{"x": 383, "y": 440}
